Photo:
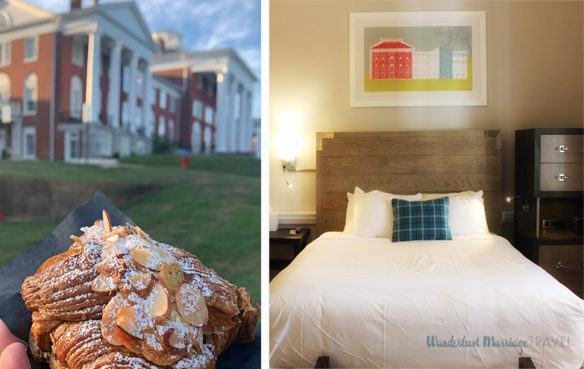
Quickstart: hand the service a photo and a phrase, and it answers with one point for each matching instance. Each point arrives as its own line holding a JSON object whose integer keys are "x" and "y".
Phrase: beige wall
{"x": 534, "y": 68}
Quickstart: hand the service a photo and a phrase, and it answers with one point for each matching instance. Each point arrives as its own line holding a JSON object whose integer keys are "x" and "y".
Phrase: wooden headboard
{"x": 406, "y": 163}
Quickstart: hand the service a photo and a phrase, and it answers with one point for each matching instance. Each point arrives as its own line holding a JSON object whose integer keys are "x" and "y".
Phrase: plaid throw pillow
{"x": 421, "y": 220}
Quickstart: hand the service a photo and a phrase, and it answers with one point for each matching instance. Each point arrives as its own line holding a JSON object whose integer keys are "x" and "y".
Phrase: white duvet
{"x": 473, "y": 302}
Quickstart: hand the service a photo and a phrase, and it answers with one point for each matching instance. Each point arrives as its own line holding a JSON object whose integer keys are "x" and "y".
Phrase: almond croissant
{"x": 119, "y": 299}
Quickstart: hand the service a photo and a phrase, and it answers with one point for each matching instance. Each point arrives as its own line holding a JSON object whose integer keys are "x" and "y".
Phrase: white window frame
{"x": 161, "y": 131}
{"x": 35, "y": 56}
{"x": 209, "y": 114}
{"x": 77, "y": 52}
{"x": 198, "y": 109}
{"x": 4, "y": 88}
{"x": 35, "y": 91}
{"x": 26, "y": 131}
{"x": 162, "y": 99}
{"x": 5, "y": 53}
{"x": 75, "y": 107}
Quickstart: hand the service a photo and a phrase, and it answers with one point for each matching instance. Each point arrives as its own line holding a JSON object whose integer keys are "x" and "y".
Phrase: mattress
{"x": 473, "y": 302}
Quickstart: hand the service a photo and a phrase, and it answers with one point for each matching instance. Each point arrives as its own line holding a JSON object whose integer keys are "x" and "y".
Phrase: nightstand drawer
{"x": 561, "y": 148}
{"x": 564, "y": 262}
{"x": 561, "y": 177}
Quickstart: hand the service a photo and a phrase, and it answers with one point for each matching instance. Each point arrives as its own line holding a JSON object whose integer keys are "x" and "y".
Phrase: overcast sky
{"x": 205, "y": 24}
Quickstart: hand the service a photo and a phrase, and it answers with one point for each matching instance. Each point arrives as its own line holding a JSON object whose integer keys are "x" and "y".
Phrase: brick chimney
{"x": 75, "y": 4}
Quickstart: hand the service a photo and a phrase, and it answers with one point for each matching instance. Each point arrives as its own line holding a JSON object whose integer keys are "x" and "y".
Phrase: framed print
{"x": 417, "y": 59}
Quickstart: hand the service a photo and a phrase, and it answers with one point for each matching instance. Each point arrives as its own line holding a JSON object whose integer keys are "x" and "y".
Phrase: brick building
{"x": 390, "y": 58}
{"x": 81, "y": 85}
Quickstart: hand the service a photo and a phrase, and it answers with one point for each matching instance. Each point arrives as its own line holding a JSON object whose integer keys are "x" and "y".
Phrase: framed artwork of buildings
{"x": 417, "y": 59}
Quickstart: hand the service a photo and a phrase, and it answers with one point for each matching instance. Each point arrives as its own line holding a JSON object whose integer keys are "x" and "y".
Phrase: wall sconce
{"x": 525, "y": 207}
{"x": 287, "y": 145}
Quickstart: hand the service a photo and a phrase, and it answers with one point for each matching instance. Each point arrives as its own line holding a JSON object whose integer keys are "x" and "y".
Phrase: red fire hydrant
{"x": 184, "y": 161}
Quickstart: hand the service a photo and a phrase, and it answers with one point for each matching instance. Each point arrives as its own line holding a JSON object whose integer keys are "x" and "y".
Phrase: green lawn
{"x": 211, "y": 213}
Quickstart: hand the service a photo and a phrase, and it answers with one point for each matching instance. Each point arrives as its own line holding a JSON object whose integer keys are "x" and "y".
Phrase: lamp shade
{"x": 287, "y": 145}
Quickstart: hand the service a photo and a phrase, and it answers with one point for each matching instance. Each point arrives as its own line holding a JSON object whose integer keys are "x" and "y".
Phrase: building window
{"x": 139, "y": 83}
{"x": 171, "y": 130}
{"x": 126, "y": 79}
{"x": 172, "y": 103}
{"x": 76, "y": 101}
{"x": 138, "y": 117}
{"x": 77, "y": 52}
{"x": 161, "y": 127}
{"x": 198, "y": 109}
{"x": 5, "y": 20}
{"x": 125, "y": 114}
{"x": 30, "y": 49}
{"x": 30, "y": 94}
{"x": 162, "y": 102}
{"x": 199, "y": 82}
{"x": 210, "y": 90}
{"x": 209, "y": 114}
{"x": 29, "y": 139}
{"x": 5, "y": 53}
{"x": 4, "y": 89}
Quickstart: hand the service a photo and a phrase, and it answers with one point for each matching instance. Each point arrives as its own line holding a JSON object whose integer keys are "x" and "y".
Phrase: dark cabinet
{"x": 548, "y": 205}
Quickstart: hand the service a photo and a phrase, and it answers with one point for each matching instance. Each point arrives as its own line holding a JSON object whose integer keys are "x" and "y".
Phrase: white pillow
{"x": 467, "y": 212}
{"x": 373, "y": 214}
{"x": 349, "y": 217}
{"x": 467, "y": 215}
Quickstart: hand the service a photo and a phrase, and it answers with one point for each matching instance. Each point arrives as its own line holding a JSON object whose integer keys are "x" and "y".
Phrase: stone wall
{"x": 26, "y": 199}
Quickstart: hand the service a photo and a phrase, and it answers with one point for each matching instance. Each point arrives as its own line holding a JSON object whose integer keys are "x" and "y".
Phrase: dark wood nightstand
{"x": 282, "y": 237}
{"x": 549, "y": 207}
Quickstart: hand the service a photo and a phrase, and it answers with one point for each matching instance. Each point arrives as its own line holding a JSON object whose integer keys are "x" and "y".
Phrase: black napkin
{"x": 18, "y": 318}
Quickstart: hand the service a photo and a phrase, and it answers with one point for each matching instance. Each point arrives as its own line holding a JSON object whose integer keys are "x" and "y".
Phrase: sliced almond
{"x": 103, "y": 283}
{"x": 141, "y": 284}
{"x": 108, "y": 321}
{"x": 174, "y": 342}
{"x": 147, "y": 259}
{"x": 127, "y": 320}
{"x": 160, "y": 307}
{"x": 107, "y": 223}
{"x": 191, "y": 304}
{"x": 172, "y": 275}
{"x": 130, "y": 342}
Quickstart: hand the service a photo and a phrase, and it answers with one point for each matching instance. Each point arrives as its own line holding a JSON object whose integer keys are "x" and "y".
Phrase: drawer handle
{"x": 561, "y": 148}
{"x": 561, "y": 177}
{"x": 559, "y": 265}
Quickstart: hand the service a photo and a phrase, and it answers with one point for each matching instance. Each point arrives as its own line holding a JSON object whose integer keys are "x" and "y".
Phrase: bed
{"x": 367, "y": 302}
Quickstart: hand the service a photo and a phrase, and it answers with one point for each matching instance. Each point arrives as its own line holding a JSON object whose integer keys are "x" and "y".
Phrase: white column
{"x": 92, "y": 90}
{"x": 244, "y": 135}
{"x": 146, "y": 82}
{"x": 132, "y": 91}
{"x": 247, "y": 121}
{"x": 221, "y": 107}
{"x": 231, "y": 124}
{"x": 113, "y": 104}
